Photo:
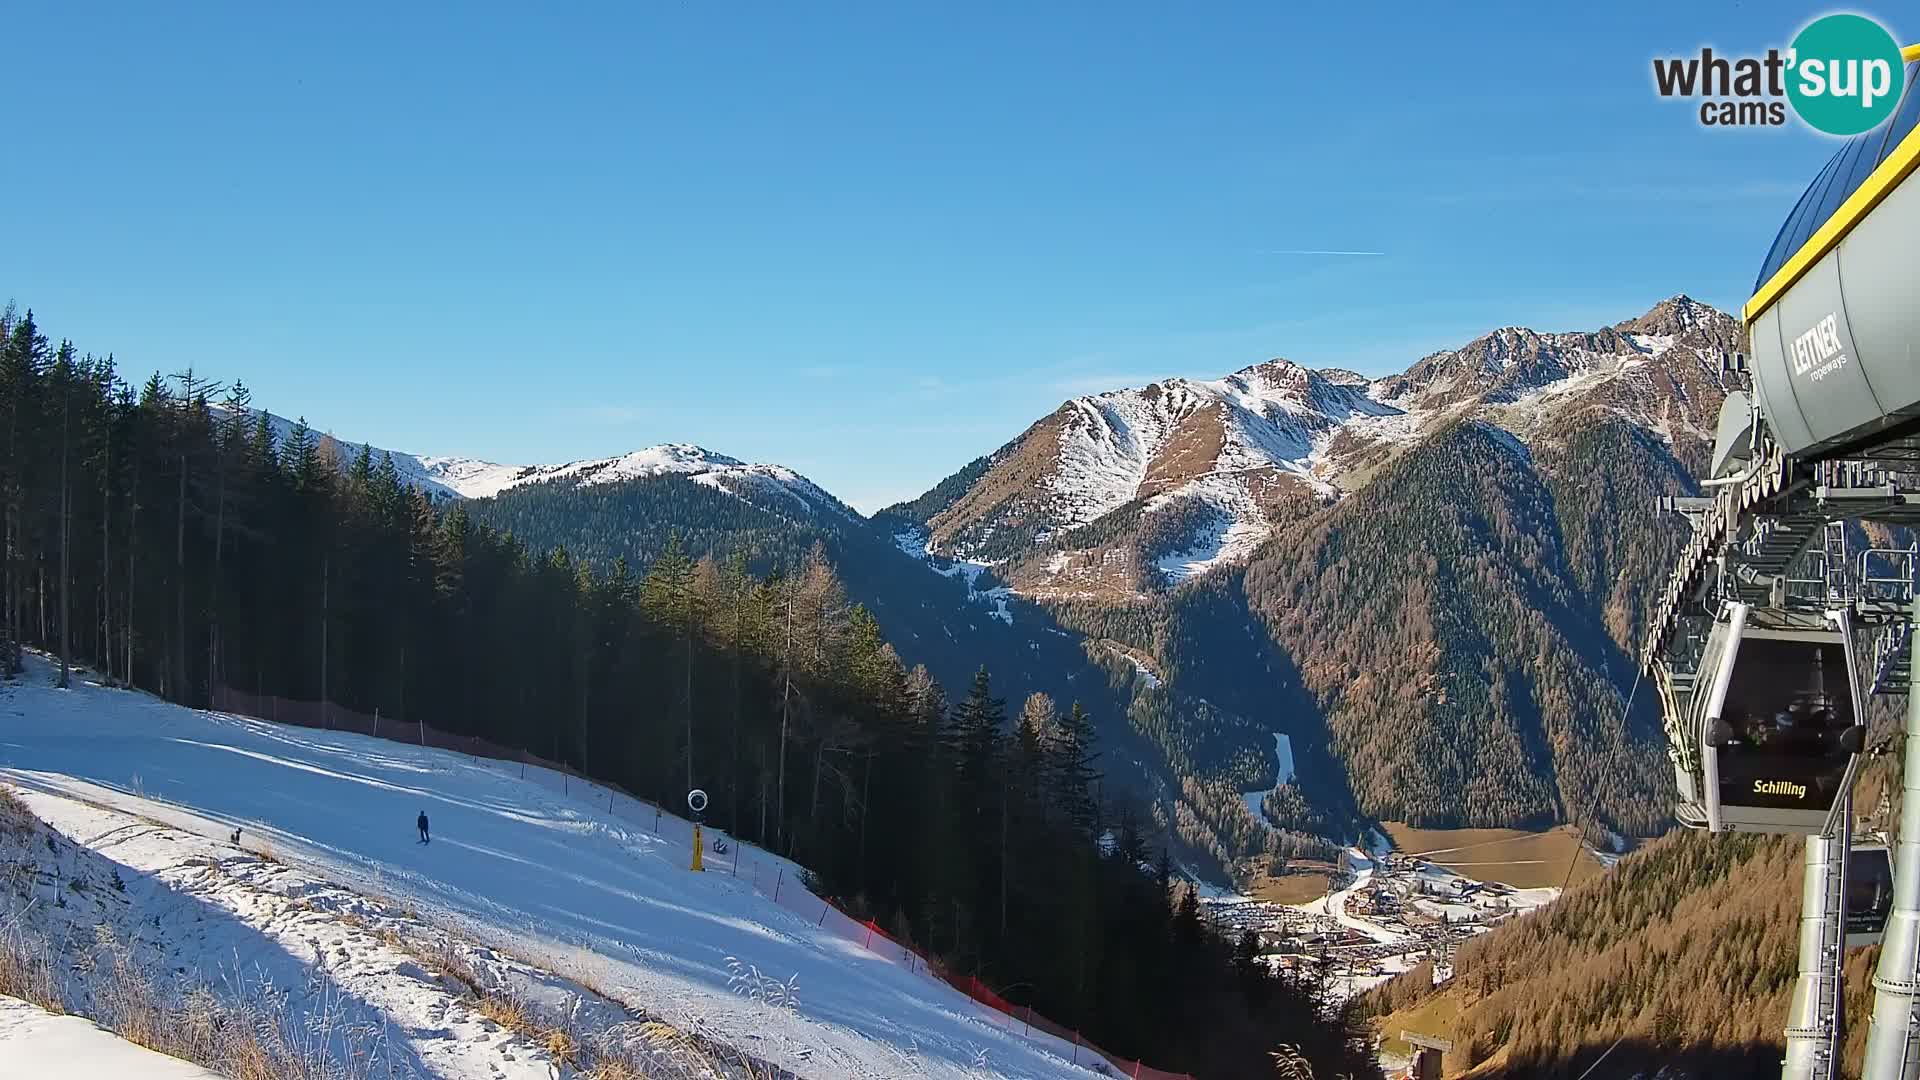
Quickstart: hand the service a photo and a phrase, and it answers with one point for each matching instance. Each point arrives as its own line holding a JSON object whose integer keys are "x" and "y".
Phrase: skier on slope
{"x": 422, "y": 823}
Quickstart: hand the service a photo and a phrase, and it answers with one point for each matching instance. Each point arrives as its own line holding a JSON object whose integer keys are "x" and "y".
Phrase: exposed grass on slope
{"x": 643, "y": 1048}
{"x": 1435, "y": 1016}
{"x": 1302, "y": 882}
{"x": 246, "y": 1032}
{"x": 1517, "y": 857}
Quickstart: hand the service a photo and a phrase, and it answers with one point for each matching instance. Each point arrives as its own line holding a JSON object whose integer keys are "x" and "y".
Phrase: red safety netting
{"x": 1082, "y": 1052}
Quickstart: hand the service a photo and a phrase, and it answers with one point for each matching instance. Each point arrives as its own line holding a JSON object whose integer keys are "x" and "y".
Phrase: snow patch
{"x": 1283, "y": 756}
{"x": 1652, "y": 344}
{"x": 1228, "y": 539}
{"x": 1283, "y": 761}
{"x": 1146, "y": 673}
{"x": 36, "y": 1040}
{"x": 1210, "y": 893}
{"x": 914, "y": 543}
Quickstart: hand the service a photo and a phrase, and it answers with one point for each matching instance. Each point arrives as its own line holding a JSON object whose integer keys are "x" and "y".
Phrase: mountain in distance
{"x": 1429, "y": 583}
{"x": 1131, "y": 491}
{"x": 472, "y": 478}
{"x": 1451, "y": 565}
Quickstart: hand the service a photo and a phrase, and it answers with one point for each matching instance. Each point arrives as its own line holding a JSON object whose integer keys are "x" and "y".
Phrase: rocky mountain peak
{"x": 1677, "y": 315}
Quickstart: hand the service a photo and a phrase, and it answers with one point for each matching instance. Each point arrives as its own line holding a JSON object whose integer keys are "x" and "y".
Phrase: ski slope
{"x": 575, "y": 881}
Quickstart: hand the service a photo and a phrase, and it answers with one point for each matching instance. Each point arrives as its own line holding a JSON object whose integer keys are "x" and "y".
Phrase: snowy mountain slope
{"x": 472, "y": 478}
{"x": 600, "y": 898}
{"x": 771, "y": 485}
{"x": 1660, "y": 370}
{"x": 1231, "y": 444}
{"x": 440, "y": 477}
{"x": 1184, "y": 476}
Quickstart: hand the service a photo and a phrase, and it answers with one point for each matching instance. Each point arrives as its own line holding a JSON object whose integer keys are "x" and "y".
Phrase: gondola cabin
{"x": 1869, "y": 893}
{"x": 1781, "y": 727}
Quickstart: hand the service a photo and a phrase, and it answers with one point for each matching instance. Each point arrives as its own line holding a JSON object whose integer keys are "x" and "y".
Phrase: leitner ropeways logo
{"x": 1842, "y": 75}
{"x": 1818, "y": 353}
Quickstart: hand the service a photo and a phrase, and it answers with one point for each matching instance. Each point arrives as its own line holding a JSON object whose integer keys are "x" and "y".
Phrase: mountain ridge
{"x": 454, "y": 477}
{"x": 1208, "y": 469}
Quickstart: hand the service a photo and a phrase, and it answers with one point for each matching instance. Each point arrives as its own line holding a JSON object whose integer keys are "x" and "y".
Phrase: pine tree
{"x": 1072, "y": 757}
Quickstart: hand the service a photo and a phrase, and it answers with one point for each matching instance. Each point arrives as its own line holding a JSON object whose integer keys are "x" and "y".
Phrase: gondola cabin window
{"x": 1782, "y": 730}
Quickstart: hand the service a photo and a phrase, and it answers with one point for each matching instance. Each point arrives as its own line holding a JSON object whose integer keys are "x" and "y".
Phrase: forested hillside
{"x": 1685, "y": 953}
{"x": 174, "y": 547}
{"x": 1463, "y": 677}
{"x": 1186, "y": 753}
{"x": 1431, "y": 582}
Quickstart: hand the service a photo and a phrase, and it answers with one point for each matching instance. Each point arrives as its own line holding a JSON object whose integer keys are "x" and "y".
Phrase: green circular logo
{"x": 1845, "y": 74}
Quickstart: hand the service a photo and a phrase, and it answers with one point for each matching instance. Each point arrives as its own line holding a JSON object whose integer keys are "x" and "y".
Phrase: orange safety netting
{"x": 1083, "y": 1052}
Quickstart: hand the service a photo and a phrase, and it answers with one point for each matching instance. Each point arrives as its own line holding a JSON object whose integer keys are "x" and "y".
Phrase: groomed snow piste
{"x": 555, "y": 877}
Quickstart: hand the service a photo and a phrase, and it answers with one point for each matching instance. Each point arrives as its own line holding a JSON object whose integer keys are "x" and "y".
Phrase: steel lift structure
{"x": 1793, "y": 603}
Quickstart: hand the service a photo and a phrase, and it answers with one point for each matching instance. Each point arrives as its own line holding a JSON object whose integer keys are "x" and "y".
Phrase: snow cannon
{"x": 1832, "y": 323}
{"x": 697, "y": 803}
{"x": 1768, "y": 734}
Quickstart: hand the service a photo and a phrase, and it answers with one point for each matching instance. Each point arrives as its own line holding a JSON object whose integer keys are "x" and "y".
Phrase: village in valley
{"x": 1385, "y": 911}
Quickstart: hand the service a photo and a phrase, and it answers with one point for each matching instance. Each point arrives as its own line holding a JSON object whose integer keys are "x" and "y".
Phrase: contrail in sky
{"x": 1309, "y": 251}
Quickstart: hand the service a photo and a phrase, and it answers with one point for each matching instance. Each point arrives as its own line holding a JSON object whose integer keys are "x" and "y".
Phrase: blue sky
{"x": 868, "y": 241}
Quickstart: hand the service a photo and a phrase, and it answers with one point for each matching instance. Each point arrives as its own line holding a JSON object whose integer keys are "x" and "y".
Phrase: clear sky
{"x": 869, "y": 241}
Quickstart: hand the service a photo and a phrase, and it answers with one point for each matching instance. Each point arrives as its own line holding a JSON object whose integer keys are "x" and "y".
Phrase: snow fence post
{"x": 823, "y": 914}
{"x": 868, "y": 944}
{"x": 776, "y": 884}
{"x": 376, "y": 721}
{"x": 1026, "y": 1026}
{"x": 656, "y": 821}
{"x": 1076, "y": 1046}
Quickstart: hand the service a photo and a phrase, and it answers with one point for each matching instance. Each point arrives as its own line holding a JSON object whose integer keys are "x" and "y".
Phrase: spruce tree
{"x": 1072, "y": 757}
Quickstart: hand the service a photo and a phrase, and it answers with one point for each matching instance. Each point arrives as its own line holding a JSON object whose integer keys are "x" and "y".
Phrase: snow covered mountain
{"x": 1128, "y": 491}
{"x": 1231, "y": 446}
{"x": 472, "y": 478}
{"x": 762, "y": 484}
{"x": 1660, "y": 370}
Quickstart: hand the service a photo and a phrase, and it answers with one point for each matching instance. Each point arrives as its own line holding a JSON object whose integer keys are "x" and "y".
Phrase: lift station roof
{"x": 1832, "y": 325}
